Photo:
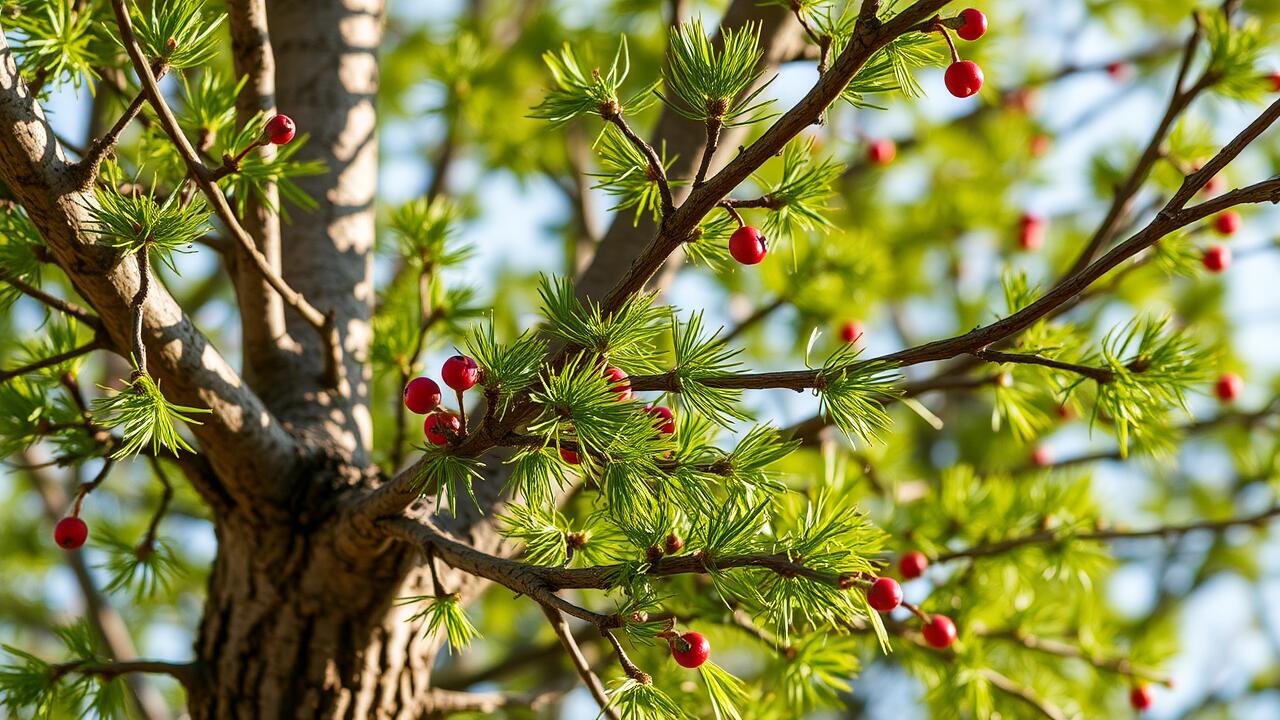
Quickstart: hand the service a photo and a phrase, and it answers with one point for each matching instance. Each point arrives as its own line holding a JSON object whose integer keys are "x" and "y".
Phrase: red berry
{"x": 1227, "y": 223}
{"x": 1216, "y": 258}
{"x": 975, "y": 24}
{"x": 963, "y": 78}
{"x": 1274, "y": 77}
{"x": 882, "y": 152}
{"x": 884, "y": 594}
{"x": 1040, "y": 145}
{"x": 1118, "y": 70}
{"x": 1214, "y": 185}
{"x": 747, "y": 245}
{"x": 912, "y": 564}
{"x": 1228, "y": 387}
{"x": 1140, "y": 698}
{"x": 939, "y": 631}
{"x": 441, "y": 427}
{"x": 421, "y": 395}
{"x": 1031, "y": 229}
{"x": 690, "y": 649}
{"x": 1041, "y": 456}
{"x": 460, "y": 373}
{"x": 570, "y": 456}
{"x": 280, "y": 130}
{"x": 70, "y": 533}
{"x": 850, "y": 331}
{"x": 618, "y": 382}
{"x": 664, "y": 419}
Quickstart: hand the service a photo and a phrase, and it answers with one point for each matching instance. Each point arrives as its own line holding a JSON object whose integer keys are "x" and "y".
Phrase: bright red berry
{"x": 884, "y": 594}
{"x": 1216, "y": 258}
{"x": 1227, "y": 223}
{"x": 1031, "y": 230}
{"x": 851, "y": 331}
{"x": 939, "y": 631}
{"x": 460, "y": 373}
{"x": 747, "y": 245}
{"x": 441, "y": 427}
{"x": 1140, "y": 698}
{"x": 1275, "y": 80}
{"x": 963, "y": 78}
{"x": 882, "y": 152}
{"x": 690, "y": 649}
{"x": 1041, "y": 456}
{"x": 421, "y": 395}
{"x": 975, "y": 24}
{"x": 570, "y": 456}
{"x": 70, "y": 533}
{"x": 1118, "y": 70}
{"x": 618, "y": 382}
{"x": 1228, "y": 387}
{"x": 663, "y": 418}
{"x": 912, "y": 564}
{"x": 280, "y": 130}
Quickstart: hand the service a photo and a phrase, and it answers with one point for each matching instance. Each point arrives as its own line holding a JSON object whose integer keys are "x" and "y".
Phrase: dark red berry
{"x": 70, "y": 533}
{"x": 663, "y": 418}
{"x": 747, "y": 245}
{"x": 1041, "y": 456}
{"x": 1214, "y": 185}
{"x": 441, "y": 427}
{"x": 1228, "y": 387}
{"x": 975, "y": 24}
{"x": 885, "y": 594}
{"x": 882, "y": 152}
{"x": 673, "y": 544}
{"x": 1118, "y": 70}
{"x": 421, "y": 395}
{"x": 1140, "y": 698}
{"x": 570, "y": 456}
{"x": 939, "y": 631}
{"x": 963, "y": 78}
{"x": 912, "y": 564}
{"x": 851, "y": 331}
{"x": 1216, "y": 258}
{"x": 1031, "y": 229}
{"x": 460, "y": 373}
{"x": 618, "y": 382}
{"x": 1227, "y": 223}
{"x": 280, "y": 130}
{"x": 690, "y": 649}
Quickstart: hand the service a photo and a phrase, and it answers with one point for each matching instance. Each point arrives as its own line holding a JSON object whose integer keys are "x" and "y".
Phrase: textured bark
{"x": 327, "y": 80}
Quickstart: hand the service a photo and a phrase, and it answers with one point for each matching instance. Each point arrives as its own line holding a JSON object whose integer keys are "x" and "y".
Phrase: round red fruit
{"x": 663, "y": 418}
{"x": 1227, "y": 223}
{"x": 885, "y": 594}
{"x": 963, "y": 78}
{"x": 421, "y": 395}
{"x": 882, "y": 152}
{"x": 690, "y": 649}
{"x": 1228, "y": 387}
{"x": 1118, "y": 70}
{"x": 441, "y": 427}
{"x": 748, "y": 246}
{"x": 70, "y": 533}
{"x": 1140, "y": 698}
{"x": 1216, "y": 258}
{"x": 618, "y": 382}
{"x": 280, "y": 130}
{"x": 939, "y": 631}
{"x": 1031, "y": 230}
{"x": 460, "y": 373}
{"x": 570, "y": 456}
{"x": 975, "y": 24}
{"x": 851, "y": 331}
{"x": 912, "y": 564}
{"x": 1041, "y": 456}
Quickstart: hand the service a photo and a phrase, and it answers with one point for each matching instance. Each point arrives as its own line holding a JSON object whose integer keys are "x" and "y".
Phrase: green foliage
{"x": 800, "y": 195}
{"x": 255, "y": 172}
{"x": 147, "y": 420}
{"x": 643, "y": 701}
{"x": 725, "y": 691}
{"x": 176, "y": 32}
{"x": 425, "y": 231}
{"x": 576, "y": 93}
{"x": 131, "y": 223}
{"x": 854, "y": 393}
{"x": 702, "y": 358}
{"x": 209, "y": 103}
{"x": 143, "y": 569}
{"x": 623, "y": 338}
{"x": 447, "y": 613}
{"x": 1235, "y": 65}
{"x": 449, "y": 473}
{"x": 49, "y": 691}
{"x": 19, "y": 243}
{"x": 58, "y": 41}
{"x": 625, "y": 175}
{"x": 819, "y": 673}
{"x": 711, "y": 85}
{"x": 890, "y": 69}
{"x": 507, "y": 369}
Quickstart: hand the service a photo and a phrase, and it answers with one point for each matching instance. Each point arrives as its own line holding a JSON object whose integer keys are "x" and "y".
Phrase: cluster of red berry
{"x": 885, "y": 595}
{"x": 422, "y": 397}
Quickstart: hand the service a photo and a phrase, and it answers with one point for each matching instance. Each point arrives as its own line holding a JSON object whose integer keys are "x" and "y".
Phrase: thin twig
{"x": 136, "y": 308}
{"x": 589, "y": 678}
{"x": 656, "y": 170}
{"x": 88, "y": 166}
{"x": 185, "y": 673}
{"x": 85, "y": 349}
{"x": 1100, "y": 375}
{"x": 65, "y": 307}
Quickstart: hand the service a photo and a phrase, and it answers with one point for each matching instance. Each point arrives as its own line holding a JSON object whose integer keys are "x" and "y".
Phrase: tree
{"x": 590, "y": 536}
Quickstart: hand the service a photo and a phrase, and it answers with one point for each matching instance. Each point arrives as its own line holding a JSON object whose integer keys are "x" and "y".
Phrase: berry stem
{"x": 729, "y": 206}
{"x": 462, "y": 412}
{"x": 92, "y": 485}
{"x": 951, "y": 44}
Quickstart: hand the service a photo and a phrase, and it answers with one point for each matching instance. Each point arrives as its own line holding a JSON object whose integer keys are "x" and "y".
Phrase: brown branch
{"x": 756, "y": 317}
{"x": 138, "y": 349}
{"x": 323, "y": 323}
{"x": 1058, "y": 648}
{"x": 65, "y": 307}
{"x": 91, "y": 161}
{"x": 1023, "y": 693}
{"x": 628, "y": 667}
{"x": 589, "y": 678}
{"x": 1100, "y": 375}
{"x": 85, "y": 349}
{"x": 185, "y": 673}
{"x": 713, "y": 139}
{"x": 656, "y": 169}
